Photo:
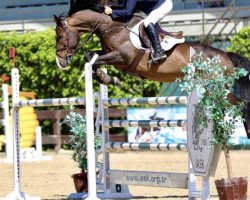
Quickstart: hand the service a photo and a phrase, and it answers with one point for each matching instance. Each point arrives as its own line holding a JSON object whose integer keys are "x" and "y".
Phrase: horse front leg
{"x": 112, "y": 58}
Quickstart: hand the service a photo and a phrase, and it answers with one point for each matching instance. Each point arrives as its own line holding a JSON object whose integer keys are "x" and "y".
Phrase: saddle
{"x": 140, "y": 40}
{"x": 162, "y": 33}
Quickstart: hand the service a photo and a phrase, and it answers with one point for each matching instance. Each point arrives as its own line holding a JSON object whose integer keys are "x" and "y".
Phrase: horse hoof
{"x": 89, "y": 55}
{"x": 117, "y": 82}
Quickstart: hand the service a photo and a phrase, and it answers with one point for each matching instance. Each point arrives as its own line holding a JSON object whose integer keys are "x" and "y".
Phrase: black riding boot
{"x": 159, "y": 53}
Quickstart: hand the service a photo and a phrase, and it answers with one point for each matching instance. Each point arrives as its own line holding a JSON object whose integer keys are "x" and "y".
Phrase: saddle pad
{"x": 167, "y": 43}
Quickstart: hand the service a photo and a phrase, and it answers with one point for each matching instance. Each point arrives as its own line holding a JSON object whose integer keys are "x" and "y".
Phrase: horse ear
{"x": 57, "y": 20}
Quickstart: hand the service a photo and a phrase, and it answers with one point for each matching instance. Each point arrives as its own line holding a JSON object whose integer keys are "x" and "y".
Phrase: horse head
{"x": 70, "y": 28}
{"x": 67, "y": 39}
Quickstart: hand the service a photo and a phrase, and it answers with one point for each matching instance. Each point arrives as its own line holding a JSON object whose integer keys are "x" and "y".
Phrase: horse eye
{"x": 59, "y": 35}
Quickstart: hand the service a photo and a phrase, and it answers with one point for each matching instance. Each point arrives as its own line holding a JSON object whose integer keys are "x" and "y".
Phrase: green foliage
{"x": 78, "y": 139}
{"x": 240, "y": 42}
{"x": 36, "y": 61}
{"x": 209, "y": 80}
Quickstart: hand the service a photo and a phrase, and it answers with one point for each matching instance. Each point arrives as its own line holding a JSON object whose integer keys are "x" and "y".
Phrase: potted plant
{"x": 208, "y": 79}
{"x": 78, "y": 143}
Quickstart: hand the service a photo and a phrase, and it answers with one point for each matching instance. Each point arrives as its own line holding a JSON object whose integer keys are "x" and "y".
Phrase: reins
{"x": 116, "y": 28}
{"x": 81, "y": 43}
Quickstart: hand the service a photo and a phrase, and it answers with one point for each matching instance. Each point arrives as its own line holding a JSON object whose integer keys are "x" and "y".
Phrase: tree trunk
{"x": 228, "y": 162}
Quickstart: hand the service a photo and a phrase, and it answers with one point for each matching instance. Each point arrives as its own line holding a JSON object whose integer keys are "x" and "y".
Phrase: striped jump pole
{"x": 145, "y": 146}
{"x": 146, "y": 101}
{"x": 144, "y": 123}
{"x": 17, "y": 194}
{"x": 51, "y": 102}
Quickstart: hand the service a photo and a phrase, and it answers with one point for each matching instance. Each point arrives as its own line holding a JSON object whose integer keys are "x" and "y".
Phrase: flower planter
{"x": 81, "y": 182}
{"x": 232, "y": 189}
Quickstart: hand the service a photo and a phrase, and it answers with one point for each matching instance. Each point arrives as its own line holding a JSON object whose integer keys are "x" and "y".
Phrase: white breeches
{"x": 159, "y": 12}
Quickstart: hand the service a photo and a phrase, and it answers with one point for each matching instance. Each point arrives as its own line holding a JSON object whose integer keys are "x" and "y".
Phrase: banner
{"x": 167, "y": 134}
{"x": 157, "y": 134}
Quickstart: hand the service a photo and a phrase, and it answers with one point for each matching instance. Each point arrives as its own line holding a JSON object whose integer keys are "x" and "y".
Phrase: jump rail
{"x": 145, "y": 146}
{"x": 146, "y": 100}
{"x": 144, "y": 123}
{"x": 51, "y": 102}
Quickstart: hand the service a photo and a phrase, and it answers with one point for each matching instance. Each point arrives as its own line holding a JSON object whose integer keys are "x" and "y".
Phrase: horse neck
{"x": 108, "y": 26}
{"x": 86, "y": 20}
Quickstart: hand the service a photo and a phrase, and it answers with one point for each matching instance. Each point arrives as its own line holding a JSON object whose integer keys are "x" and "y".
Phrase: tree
{"x": 240, "y": 42}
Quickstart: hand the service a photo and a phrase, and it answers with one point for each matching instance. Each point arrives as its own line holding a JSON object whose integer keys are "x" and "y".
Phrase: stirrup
{"x": 155, "y": 60}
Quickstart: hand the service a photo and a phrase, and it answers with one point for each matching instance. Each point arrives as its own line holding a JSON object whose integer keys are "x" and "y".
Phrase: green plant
{"x": 78, "y": 140}
{"x": 209, "y": 79}
{"x": 240, "y": 42}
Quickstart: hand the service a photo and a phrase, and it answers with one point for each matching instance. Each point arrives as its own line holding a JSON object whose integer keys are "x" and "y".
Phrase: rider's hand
{"x": 108, "y": 10}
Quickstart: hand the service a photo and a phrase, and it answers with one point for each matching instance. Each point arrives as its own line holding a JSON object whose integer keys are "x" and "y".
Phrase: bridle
{"x": 72, "y": 52}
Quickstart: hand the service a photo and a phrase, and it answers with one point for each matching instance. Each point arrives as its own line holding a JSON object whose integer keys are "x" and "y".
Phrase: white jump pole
{"x": 16, "y": 135}
{"x": 92, "y": 189}
{"x": 6, "y": 122}
{"x": 39, "y": 142}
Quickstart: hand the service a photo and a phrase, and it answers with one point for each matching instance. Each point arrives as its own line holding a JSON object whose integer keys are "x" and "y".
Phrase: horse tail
{"x": 243, "y": 84}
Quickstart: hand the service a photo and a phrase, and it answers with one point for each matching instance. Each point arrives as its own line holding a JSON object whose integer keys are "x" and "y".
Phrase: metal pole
{"x": 203, "y": 18}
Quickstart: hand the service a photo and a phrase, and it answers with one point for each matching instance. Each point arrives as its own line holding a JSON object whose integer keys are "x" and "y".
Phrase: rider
{"x": 157, "y": 10}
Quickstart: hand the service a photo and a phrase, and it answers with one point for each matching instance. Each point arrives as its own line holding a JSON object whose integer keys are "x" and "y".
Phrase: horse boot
{"x": 105, "y": 79}
{"x": 159, "y": 53}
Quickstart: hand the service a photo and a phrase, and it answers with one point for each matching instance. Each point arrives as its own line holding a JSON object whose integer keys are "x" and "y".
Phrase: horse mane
{"x": 78, "y": 5}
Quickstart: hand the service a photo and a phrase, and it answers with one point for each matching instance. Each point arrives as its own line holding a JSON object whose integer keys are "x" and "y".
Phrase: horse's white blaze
{"x": 58, "y": 64}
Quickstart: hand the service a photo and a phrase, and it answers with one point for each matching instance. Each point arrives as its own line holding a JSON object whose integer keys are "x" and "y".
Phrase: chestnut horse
{"x": 120, "y": 52}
